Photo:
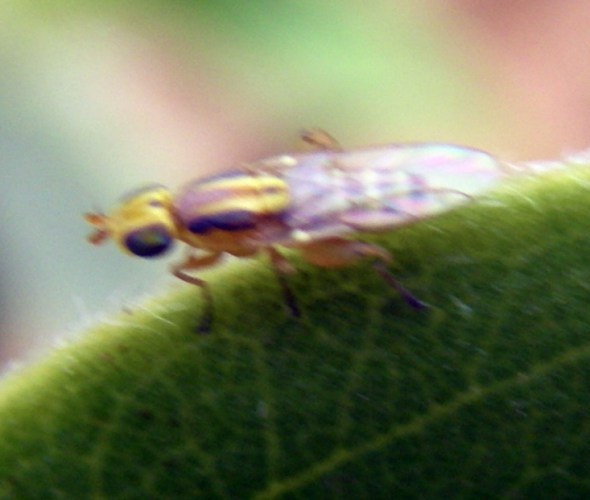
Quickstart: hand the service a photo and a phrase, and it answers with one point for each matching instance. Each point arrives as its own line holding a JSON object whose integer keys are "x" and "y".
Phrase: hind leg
{"x": 340, "y": 252}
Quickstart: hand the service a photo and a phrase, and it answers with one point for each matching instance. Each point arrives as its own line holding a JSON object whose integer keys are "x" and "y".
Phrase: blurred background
{"x": 98, "y": 98}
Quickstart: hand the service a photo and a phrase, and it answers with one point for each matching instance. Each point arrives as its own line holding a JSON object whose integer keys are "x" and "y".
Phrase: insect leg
{"x": 340, "y": 252}
{"x": 320, "y": 140}
{"x": 282, "y": 267}
{"x": 192, "y": 263}
{"x": 408, "y": 296}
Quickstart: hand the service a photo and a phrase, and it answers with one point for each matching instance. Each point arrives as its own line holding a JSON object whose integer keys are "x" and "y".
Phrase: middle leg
{"x": 282, "y": 267}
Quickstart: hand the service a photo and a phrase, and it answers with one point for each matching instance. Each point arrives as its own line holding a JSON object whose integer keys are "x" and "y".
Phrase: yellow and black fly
{"x": 314, "y": 202}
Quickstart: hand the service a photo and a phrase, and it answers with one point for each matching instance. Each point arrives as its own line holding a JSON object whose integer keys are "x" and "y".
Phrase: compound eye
{"x": 149, "y": 241}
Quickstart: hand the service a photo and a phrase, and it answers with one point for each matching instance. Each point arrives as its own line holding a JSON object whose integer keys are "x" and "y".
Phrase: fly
{"x": 313, "y": 202}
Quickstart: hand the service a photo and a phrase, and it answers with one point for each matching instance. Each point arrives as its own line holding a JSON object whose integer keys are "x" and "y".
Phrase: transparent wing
{"x": 377, "y": 189}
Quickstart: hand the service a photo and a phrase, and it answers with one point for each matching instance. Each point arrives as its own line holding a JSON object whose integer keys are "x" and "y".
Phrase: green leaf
{"x": 486, "y": 393}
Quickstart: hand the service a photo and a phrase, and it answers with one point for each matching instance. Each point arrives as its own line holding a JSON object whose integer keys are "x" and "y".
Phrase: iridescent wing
{"x": 378, "y": 189}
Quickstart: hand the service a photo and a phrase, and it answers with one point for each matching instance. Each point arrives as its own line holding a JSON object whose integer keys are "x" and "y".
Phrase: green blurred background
{"x": 99, "y": 98}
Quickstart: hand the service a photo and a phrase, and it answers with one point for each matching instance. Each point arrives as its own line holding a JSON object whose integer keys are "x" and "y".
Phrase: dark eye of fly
{"x": 149, "y": 241}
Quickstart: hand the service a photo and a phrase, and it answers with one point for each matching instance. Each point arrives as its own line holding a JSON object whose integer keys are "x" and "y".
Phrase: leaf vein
{"x": 439, "y": 411}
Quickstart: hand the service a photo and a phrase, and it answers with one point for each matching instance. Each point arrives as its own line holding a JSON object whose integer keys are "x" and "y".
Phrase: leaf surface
{"x": 486, "y": 393}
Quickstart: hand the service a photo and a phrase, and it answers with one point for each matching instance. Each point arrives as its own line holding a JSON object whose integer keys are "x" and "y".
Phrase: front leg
{"x": 192, "y": 263}
{"x": 340, "y": 252}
